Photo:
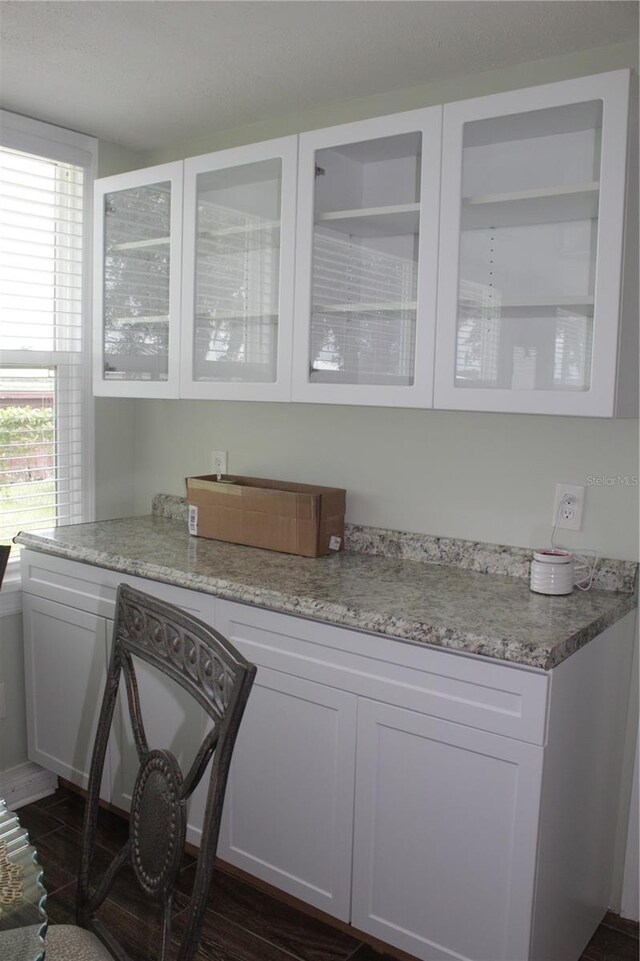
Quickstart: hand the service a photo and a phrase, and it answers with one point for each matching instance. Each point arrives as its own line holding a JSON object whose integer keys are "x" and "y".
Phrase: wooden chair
{"x": 206, "y": 665}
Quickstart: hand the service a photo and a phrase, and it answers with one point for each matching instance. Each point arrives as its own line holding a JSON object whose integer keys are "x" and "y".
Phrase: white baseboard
{"x": 25, "y": 783}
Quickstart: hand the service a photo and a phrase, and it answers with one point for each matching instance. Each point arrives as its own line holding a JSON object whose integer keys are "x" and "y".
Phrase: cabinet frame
{"x": 613, "y": 89}
{"x": 286, "y": 149}
{"x": 428, "y": 122}
{"x": 139, "y": 178}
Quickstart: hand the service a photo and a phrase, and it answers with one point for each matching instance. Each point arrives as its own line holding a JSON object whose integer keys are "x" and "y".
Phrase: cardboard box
{"x": 277, "y": 515}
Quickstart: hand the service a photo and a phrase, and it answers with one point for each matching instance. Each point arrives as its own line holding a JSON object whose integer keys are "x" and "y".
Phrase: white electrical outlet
{"x": 219, "y": 461}
{"x": 568, "y": 507}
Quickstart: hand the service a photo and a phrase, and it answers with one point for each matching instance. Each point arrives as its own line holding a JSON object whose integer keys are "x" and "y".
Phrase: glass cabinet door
{"x": 238, "y": 272}
{"x": 138, "y": 223}
{"x": 367, "y": 229}
{"x": 533, "y": 205}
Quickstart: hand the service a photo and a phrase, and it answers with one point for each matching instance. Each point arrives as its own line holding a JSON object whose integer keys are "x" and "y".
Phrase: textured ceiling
{"x": 147, "y": 74}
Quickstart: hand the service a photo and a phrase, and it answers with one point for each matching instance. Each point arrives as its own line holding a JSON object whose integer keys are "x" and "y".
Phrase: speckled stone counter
{"x": 421, "y": 601}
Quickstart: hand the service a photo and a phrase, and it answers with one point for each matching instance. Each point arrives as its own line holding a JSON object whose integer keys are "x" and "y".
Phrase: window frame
{"x": 66, "y": 146}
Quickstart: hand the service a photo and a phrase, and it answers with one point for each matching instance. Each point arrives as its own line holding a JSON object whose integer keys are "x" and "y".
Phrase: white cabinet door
{"x": 289, "y": 805}
{"x": 366, "y": 262}
{"x": 239, "y": 230}
{"x": 137, "y": 268}
{"x": 445, "y": 836}
{"x": 531, "y": 248}
{"x": 173, "y": 719}
{"x": 65, "y": 671}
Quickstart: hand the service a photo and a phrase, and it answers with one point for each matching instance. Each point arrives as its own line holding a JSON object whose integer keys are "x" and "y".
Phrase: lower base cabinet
{"x": 288, "y": 812}
{"x": 451, "y": 806}
{"x": 65, "y": 667}
{"x": 445, "y": 844}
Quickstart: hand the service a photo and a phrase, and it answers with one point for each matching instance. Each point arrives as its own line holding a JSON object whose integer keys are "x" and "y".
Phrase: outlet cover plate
{"x": 219, "y": 461}
{"x": 577, "y": 493}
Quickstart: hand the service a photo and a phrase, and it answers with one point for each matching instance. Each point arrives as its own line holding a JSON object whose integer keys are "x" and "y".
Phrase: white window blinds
{"x": 42, "y": 223}
{"x": 363, "y": 322}
{"x": 238, "y": 259}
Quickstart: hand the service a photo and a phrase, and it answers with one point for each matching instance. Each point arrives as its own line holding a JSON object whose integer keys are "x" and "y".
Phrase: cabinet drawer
{"x": 462, "y": 688}
{"x": 470, "y": 690}
{"x": 81, "y": 586}
{"x": 93, "y": 589}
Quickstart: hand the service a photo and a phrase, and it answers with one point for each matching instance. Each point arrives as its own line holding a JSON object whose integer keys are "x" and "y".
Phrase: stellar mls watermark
{"x": 612, "y": 480}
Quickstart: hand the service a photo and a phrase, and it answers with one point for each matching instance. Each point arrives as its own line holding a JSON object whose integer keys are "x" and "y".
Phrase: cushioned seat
{"x": 66, "y": 942}
{"x": 20, "y": 942}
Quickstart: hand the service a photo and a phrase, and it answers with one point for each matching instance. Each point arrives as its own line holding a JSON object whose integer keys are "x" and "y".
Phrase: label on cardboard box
{"x": 334, "y": 543}
{"x": 193, "y": 519}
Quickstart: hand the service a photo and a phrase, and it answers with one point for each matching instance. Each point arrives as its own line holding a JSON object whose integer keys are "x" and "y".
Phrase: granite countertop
{"x": 450, "y": 605}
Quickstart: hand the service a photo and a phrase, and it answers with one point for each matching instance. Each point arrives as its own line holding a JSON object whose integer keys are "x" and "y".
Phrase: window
{"x": 46, "y": 429}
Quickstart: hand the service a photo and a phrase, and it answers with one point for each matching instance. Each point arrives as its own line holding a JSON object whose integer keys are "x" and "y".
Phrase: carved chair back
{"x": 5, "y": 550}
{"x": 206, "y": 665}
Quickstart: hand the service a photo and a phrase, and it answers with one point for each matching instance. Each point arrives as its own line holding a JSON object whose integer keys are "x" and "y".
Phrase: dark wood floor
{"x": 242, "y": 922}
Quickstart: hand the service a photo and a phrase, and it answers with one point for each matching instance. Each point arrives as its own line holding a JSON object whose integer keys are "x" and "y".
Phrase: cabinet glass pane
{"x": 136, "y": 283}
{"x": 365, "y": 256}
{"x": 530, "y": 185}
{"x": 237, "y": 273}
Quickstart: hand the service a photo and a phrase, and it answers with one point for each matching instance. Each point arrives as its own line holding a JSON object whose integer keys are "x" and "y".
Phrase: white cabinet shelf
{"x": 139, "y": 244}
{"x": 243, "y": 315}
{"x": 390, "y": 221}
{"x": 535, "y": 206}
{"x": 363, "y": 307}
{"x": 241, "y": 229}
{"x": 139, "y": 320}
{"x": 560, "y": 302}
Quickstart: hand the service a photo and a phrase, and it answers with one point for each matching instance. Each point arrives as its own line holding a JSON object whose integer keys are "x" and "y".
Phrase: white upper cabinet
{"x": 237, "y": 302}
{"x": 137, "y": 250}
{"x": 511, "y": 219}
{"x": 366, "y": 261}
{"x": 531, "y": 249}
